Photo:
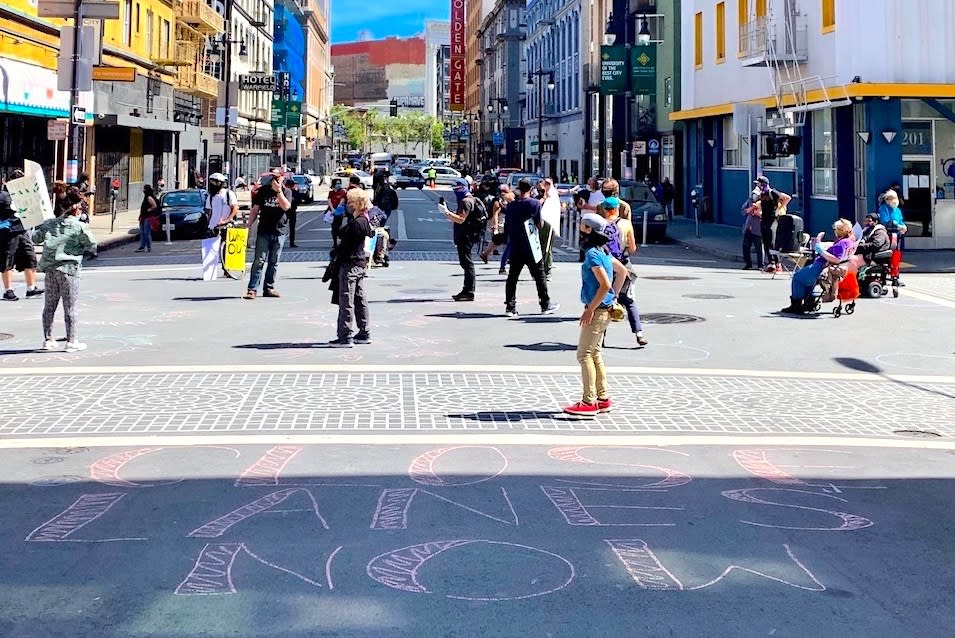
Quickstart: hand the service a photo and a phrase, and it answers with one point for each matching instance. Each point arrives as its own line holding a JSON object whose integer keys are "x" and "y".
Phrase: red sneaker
{"x": 581, "y": 409}
{"x": 604, "y": 405}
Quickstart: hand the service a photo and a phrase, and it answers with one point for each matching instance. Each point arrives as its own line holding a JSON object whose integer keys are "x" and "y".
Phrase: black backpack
{"x": 477, "y": 219}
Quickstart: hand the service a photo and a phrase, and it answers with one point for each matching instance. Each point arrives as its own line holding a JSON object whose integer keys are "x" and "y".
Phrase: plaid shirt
{"x": 65, "y": 240}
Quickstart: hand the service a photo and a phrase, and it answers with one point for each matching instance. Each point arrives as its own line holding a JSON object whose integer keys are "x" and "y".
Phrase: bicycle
{"x": 223, "y": 230}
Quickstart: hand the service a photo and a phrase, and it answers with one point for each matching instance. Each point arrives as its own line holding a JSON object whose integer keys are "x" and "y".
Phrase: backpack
{"x": 614, "y": 246}
{"x": 477, "y": 219}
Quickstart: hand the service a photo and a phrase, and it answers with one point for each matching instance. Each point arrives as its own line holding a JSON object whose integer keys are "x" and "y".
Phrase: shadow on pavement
{"x": 465, "y": 315}
{"x": 550, "y": 346}
{"x": 860, "y": 365}
{"x": 214, "y": 298}
{"x": 285, "y": 345}
{"x": 550, "y": 319}
{"x": 513, "y": 415}
{"x": 168, "y": 279}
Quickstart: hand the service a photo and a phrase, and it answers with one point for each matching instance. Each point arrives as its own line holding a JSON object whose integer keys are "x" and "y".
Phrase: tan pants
{"x": 592, "y": 371}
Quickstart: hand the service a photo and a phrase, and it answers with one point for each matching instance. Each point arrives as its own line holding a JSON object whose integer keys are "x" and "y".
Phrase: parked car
{"x": 514, "y": 178}
{"x": 186, "y": 210}
{"x": 642, "y": 202}
{"x": 345, "y": 175}
{"x": 409, "y": 178}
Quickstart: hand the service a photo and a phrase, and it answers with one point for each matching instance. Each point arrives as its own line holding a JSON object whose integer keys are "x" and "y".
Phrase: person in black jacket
{"x": 352, "y": 270}
{"x": 16, "y": 251}
{"x": 875, "y": 238}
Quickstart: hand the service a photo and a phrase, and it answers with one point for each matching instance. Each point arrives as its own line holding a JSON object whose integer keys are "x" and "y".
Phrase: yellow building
{"x": 141, "y": 118}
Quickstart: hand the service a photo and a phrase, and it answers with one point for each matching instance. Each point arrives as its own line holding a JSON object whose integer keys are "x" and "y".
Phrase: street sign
{"x": 57, "y": 130}
{"x": 93, "y": 9}
{"x": 613, "y": 70}
{"x": 498, "y": 138}
{"x": 79, "y": 115}
{"x": 653, "y": 147}
{"x": 84, "y": 65}
{"x": 257, "y": 82}
{"x": 639, "y": 147}
{"x": 643, "y": 70}
{"x": 114, "y": 73}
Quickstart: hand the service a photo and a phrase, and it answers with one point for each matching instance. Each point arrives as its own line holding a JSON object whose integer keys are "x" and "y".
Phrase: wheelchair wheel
{"x": 850, "y": 308}
{"x": 895, "y": 292}
{"x": 874, "y": 290}
{"x": 837, "y": 312}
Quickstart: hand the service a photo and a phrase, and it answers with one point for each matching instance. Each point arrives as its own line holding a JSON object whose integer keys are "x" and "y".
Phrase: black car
{"x": 642, "y": 202}
{"x": 304, "y": 191}
{"x": 409, "y": 178}
{"x": 186, "y": 210}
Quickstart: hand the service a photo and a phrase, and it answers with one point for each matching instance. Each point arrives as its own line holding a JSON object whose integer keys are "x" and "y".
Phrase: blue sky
{"x": 384, "y": 17}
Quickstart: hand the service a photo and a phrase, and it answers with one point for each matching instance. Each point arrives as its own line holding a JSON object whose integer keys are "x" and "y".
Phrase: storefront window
{"x": 735, "y": 150}
{"x": 823, "y": 153}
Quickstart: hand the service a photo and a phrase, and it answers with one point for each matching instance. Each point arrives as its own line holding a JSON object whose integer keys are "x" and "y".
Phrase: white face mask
{"x": 893, "y": 203}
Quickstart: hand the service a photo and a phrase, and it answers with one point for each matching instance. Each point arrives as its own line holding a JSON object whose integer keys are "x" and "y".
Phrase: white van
{"x": 381, "y": 161}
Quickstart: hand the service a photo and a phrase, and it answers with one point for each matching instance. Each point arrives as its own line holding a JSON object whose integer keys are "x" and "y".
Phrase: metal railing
{"x": 201, "y": 16}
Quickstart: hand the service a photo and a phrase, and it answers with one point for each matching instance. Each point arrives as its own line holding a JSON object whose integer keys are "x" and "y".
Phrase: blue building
{"x": 289, "y": 55}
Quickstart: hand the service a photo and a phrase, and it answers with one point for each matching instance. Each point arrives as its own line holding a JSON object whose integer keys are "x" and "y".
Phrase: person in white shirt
{"x": 221, "y": 203}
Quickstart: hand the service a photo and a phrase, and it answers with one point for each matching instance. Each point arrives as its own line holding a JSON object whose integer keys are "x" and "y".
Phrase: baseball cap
{"x": 460, "y": 184}
{"x": 610, "y": 202}
{"x": 596, "y": 223}
{"x": 217, "y": 177}
{"x": 762, "y": 179}
{"x": 468, "y": 179}
{"x": 872, "y": 216}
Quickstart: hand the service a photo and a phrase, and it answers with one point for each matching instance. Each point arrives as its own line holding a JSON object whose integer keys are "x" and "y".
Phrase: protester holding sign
{"x": 16, "y": 251}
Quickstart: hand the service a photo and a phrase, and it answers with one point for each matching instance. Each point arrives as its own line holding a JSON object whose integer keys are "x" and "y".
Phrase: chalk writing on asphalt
{"x": 497, "y": 510}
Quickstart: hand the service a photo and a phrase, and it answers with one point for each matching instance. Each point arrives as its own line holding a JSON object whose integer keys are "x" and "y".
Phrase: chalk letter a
{"x": 218, "y": 527}
{"x": 393, "y": 506}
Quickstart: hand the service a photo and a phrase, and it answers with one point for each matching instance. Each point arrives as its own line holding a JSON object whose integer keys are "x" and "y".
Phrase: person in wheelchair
{"x": 803, "y": 282}
{"x": 874, "y": 246}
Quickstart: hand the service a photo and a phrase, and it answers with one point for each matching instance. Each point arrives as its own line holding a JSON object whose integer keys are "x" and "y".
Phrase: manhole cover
{"x": 708, "y": 296}
{"x": 5, "y": 335}
{"x": 918, "y": 434}
{"x": 55, "y": 481}
{"x": 47, "y": 460}
{"x": 669, "y": 278}
{"x": 669, "y": 317}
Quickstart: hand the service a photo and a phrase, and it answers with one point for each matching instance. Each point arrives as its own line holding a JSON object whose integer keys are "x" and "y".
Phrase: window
{"x": 720, "y": 32}
{"x": 828, "y": 16}
{"x": 735, "y": 149}
{"x": 164, "y": 43}
{"x": 698, "y": 40}
{"x": 138, "y": 28}
{"x": 743, "y": 20}
{"x": 149, "y": 32}
{"x": 128, "y": 22}
{"x": 823, "y": 153}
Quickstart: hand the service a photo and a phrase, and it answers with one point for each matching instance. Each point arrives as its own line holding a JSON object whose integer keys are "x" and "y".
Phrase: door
{"x": 917, "y": 191}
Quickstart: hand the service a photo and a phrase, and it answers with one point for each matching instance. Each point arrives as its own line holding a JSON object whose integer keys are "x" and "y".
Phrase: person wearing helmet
{"x": 222, "y": 206}
{"x": 770, "y": 202}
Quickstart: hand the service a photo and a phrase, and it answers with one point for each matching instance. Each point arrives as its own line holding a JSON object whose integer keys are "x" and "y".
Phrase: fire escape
{"x": 195, "y": 21}
{"x": 779, "y": 41}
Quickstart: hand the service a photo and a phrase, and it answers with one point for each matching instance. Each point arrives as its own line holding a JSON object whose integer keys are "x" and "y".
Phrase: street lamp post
{"x": 502, "y": 108}
{"x": 222, "y": 47}
{"x": 539, "y": 73}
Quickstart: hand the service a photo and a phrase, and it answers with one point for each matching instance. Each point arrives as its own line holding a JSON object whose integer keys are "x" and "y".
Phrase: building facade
{"x": 869, "y": 114}
{"x": 289, "y": 59}
{"x": 437, "y": 56}
{"x": 554, "y": 117}
{"x": 502, "y": 85}
{"x": 319, "y": 87}
{"x": 143, "y": 111}
{"x": 370, "y": 73}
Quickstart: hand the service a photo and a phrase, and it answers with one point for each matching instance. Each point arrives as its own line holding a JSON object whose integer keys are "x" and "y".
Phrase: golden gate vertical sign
{"x": 458, "y": 48}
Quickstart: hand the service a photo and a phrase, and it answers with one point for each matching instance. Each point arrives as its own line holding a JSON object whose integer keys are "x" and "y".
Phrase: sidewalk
{"x": 125, "y": 230}
{"x": 726, "y": 242}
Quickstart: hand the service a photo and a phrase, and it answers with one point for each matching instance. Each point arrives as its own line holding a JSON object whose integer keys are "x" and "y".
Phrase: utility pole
{"x": 227, "y": 55}
{"x": 75, "y": 164}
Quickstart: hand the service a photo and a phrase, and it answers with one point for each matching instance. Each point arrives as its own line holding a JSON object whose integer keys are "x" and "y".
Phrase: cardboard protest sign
{"x": 236, "y": 239}
{"x": 30, "y": 197}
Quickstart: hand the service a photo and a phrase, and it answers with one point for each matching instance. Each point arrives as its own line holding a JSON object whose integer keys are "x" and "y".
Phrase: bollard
{"x": 168, "y": 227}
{"x": 112, "y": 210}
{"x": 646, "y": 214}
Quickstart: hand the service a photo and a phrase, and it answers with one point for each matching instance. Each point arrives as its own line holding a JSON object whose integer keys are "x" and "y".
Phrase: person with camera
{"x": 269, "y": 207}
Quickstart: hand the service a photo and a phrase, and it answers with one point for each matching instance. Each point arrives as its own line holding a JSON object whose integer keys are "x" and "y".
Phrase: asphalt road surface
{"x": 208, "y": 467}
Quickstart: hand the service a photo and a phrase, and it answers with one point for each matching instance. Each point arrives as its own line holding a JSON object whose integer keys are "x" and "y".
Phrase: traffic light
{"x": 782, "y": 145}
{"x": 393, "y": 110}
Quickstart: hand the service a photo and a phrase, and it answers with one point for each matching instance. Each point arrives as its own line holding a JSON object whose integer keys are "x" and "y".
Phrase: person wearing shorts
{"x": 16, "y": 251}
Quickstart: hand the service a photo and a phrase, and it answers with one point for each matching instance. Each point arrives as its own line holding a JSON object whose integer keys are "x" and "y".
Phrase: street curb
{"x": 116, "y": 242}
{"x": 706, "y": 250}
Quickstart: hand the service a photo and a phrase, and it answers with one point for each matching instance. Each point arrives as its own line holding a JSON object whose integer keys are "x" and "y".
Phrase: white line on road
{"x": 931, "y": 298}
{"x": 476, "y": 369}
{"x": 472, "y": 438}
{"x": 402, "y": 230}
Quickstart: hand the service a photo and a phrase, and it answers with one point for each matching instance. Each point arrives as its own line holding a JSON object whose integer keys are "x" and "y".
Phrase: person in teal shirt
{"x": 602, "y": 277}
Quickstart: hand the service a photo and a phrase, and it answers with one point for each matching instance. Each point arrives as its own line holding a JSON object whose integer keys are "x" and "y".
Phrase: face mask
{"x": 593, "y": 240}
{"x": 893, "y": 204}
{"x": 460, "y": 195}
{"x": 214, "y": 187}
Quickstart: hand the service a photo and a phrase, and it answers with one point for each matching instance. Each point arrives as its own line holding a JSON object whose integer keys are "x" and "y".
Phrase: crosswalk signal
{"x": 393, "y": 110}
{"x": 782, "y": 145}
